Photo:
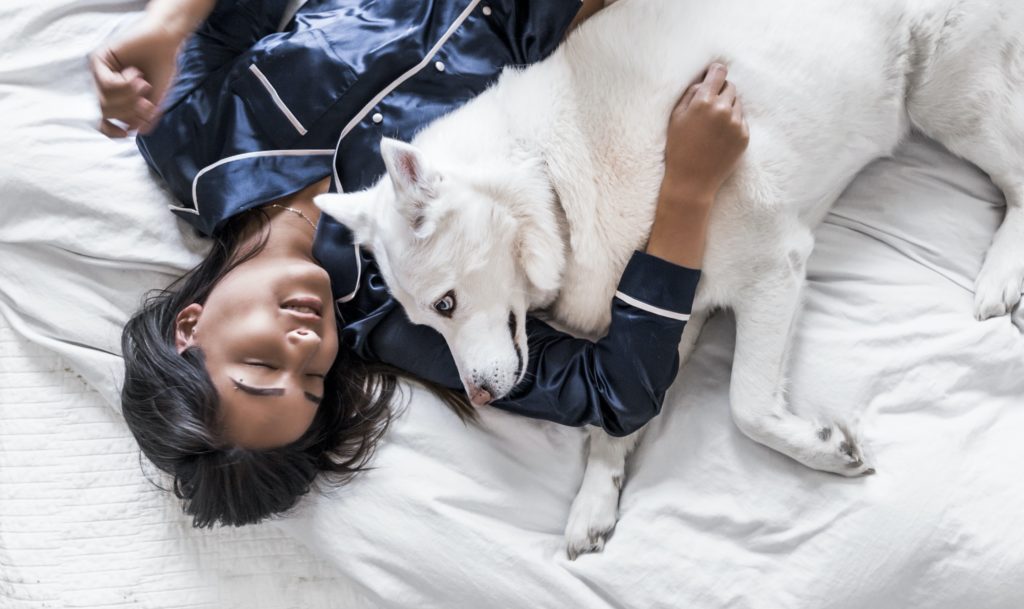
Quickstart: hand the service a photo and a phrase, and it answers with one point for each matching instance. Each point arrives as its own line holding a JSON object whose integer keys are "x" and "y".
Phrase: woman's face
{"x": 268, "y": 333}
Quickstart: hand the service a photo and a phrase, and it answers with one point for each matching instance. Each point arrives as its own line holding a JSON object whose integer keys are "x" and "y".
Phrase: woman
{"x": 236, "y": 382}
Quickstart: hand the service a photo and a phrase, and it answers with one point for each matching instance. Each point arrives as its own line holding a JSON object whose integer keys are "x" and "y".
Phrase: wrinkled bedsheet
{"x": 457, "y": 516}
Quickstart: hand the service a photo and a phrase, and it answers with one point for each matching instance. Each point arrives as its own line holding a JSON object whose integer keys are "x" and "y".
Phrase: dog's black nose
{"x": 480, "y": 396}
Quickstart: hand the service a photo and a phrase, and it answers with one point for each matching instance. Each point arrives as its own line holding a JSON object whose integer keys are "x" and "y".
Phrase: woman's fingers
{"x": 104, "y": 75}
{"x": 688, "y": 96}
{"x": 739, "y": 119}
{"x": 109, "y": 129}
{"x": 110, "y": 79}
{"x": 123, "y": 95}
{"x": 728, "y": 95}
{"x": 147, "y": 113}
{"x": 737, "y": 110}
{"x": 714, "y": 82}
{"x": 140, "y": 86}
{"x": 132, "y": 113}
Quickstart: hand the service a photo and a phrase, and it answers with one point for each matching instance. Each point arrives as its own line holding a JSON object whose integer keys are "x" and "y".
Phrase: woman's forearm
{"x": 179, "y": 17}
{"x": 680, "y": 225}
{"x": 707, "y": 134}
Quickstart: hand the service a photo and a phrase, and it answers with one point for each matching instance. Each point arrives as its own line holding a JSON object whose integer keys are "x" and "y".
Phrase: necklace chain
{"x": 296, "y": 211}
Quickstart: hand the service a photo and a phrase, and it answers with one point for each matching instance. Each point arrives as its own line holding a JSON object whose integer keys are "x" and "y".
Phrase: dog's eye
{"x": 446, "y": 305}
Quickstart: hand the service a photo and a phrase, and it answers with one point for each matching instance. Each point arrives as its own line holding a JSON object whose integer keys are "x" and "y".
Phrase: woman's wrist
{"x": 686, "y": 192}
{"x": 679, "y": 228}
{"x": 160, "y": 32}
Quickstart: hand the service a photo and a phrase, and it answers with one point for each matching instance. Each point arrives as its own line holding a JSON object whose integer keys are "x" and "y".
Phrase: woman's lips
{"x": 304, "y": 307}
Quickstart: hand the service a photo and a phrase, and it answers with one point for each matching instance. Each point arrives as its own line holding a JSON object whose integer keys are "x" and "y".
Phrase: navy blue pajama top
{"x": 267, "y": 103}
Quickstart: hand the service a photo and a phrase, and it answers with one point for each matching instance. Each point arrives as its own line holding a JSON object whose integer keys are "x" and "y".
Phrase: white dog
{"x": 535, "y": 194}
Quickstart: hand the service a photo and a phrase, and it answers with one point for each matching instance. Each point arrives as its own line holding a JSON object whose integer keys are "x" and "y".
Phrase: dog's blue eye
{"x": 446, "y": 305}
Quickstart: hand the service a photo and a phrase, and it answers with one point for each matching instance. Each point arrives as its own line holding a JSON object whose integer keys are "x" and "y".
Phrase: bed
{"x": 471, "y": 516}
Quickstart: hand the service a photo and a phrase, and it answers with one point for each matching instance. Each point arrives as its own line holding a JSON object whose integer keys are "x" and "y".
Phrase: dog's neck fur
{"x": 585, "y": 191}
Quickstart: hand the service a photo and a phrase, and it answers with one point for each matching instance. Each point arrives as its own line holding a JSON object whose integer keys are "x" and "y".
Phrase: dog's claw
{"x": 594, "y": 543}
{"x": 841, "y": 453}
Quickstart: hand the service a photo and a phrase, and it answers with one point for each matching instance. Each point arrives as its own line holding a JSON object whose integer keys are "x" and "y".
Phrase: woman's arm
{"x": 619, "y": 382}
{"x": 133, "y": 73}
{"x": 706, "y": 136}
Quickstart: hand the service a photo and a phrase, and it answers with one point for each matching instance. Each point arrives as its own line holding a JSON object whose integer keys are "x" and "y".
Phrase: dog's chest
{"x": 609, "y": 215}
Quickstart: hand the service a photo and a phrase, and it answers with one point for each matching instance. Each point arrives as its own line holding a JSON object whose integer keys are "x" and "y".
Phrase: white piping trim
{"x": 359, "y": 276}
{"x": 277, "y": 100}
{"x": 397, "y": 82}
{"x": 376, "y": 100}
{"x": 651, "y": 308}
{"x": 182, "y": 208}
{"x": 249, "y": 155}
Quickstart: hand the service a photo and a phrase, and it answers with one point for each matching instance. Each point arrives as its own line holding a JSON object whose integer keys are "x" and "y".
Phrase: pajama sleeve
{"x": 617, "y": 383}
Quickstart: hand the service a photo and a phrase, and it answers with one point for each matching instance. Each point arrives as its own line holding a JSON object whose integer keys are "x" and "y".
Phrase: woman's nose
{"x": 303, "y": 337}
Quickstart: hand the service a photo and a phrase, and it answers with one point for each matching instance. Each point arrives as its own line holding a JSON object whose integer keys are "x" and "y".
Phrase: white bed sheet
{"x": 472, "y": 517}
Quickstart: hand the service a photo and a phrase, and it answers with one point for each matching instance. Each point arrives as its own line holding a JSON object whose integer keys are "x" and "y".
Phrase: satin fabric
{"x": 257, "y": 114}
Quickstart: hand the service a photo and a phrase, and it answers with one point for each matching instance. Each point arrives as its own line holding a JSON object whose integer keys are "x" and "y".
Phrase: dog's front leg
{"x": 766, "y": 309}
{"x": 596, "y": 508}
{"x": 691, "y": 334}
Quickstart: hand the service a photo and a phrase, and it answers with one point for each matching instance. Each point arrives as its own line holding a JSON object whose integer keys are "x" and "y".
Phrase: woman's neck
{"x": 292, "y": 224}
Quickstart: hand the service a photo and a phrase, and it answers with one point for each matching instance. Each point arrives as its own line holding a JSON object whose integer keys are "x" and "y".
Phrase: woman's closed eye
{"x": 312, "y": 397}
{"x": 273, "y": 367}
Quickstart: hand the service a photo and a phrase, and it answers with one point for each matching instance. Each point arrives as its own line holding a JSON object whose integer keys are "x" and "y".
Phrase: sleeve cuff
{"x": 658, "y": 286}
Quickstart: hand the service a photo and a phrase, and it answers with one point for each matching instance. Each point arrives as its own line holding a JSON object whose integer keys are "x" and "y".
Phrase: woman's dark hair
{"x": 171, "y": 407}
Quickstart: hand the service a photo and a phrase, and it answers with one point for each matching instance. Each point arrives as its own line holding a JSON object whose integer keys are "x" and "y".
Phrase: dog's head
{"x": 466, "y": 251}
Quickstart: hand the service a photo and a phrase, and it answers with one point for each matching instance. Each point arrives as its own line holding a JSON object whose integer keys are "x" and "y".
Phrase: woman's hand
{"x": 707, "y": 135}
{"x": 133, "y": 73}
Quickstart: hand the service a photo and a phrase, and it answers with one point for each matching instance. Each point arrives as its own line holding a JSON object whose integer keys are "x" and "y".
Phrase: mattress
{"x": 472, "y": 516}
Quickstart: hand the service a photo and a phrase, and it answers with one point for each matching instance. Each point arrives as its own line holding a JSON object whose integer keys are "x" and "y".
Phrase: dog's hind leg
{"x": 969, "y": 95}
{"x": 596, "y": 508}
{"x": 766, "y": 308}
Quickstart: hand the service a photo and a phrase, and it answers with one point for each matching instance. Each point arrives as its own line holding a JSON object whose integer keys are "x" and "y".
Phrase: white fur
{"x": 547, "y": 182}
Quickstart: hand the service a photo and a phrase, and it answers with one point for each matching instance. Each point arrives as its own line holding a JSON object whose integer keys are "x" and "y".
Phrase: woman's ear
{"x": 185, "y": 326}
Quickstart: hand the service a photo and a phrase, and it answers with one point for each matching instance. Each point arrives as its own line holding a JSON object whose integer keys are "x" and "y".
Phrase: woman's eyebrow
{"x": 271, "y": 391}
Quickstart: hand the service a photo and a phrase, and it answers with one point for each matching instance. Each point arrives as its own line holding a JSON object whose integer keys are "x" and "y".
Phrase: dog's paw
{"x": 840, "y": 452}
{"x": 998, "y": 287}
{"x": 592, "y": 518}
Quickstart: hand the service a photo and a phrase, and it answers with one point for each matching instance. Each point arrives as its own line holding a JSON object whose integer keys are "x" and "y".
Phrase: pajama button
{"x": 439, "y": 65}
{"x": 377, "y": 117}
{"x": 487, "y": 11}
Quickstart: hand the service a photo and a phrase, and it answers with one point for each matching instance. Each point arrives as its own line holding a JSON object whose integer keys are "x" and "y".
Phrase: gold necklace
{"x": 296, "y": 211}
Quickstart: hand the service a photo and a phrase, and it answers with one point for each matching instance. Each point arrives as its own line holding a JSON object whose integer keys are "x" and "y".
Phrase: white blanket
{"x": 472, "y": 517}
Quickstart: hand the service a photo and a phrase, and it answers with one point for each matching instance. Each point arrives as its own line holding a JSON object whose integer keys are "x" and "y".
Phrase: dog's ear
{"x": 414, "y": 180}
{"x": 542, "y": 252}
{"x": 353, "y": 210}
{"x": 540, "y": 245}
